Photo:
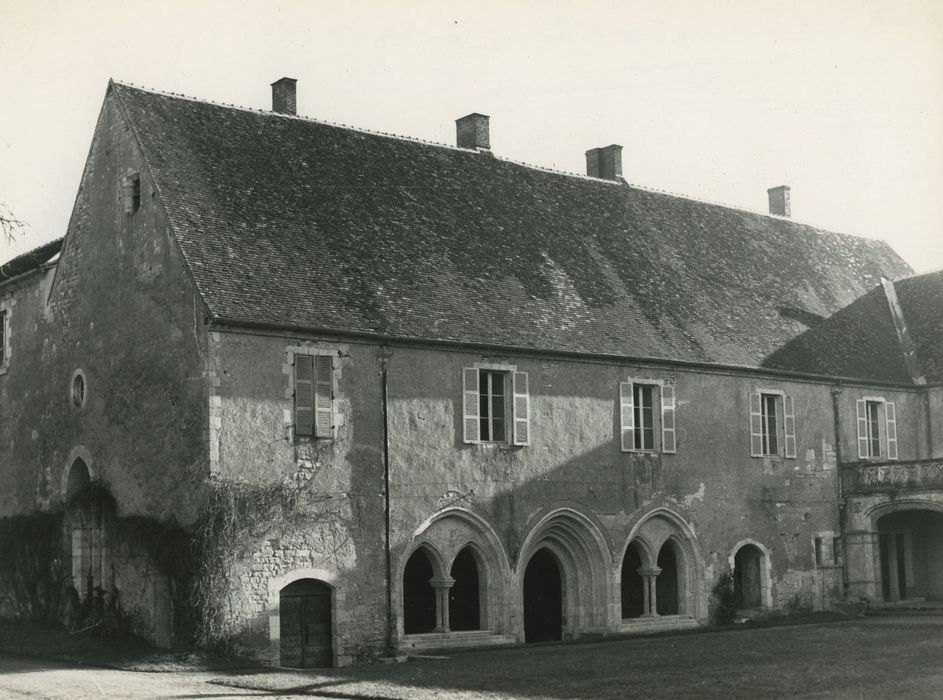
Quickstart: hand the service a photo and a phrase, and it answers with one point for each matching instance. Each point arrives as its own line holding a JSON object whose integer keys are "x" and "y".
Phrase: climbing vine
{"x": 32, "y": 568}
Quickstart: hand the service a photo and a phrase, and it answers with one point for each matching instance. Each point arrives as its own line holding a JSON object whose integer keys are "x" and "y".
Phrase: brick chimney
{"x": 283, "y": 96}
{"x": 472, "y": 131}
{"x": 605, "y": 162}
{"x": 779, "y": 201}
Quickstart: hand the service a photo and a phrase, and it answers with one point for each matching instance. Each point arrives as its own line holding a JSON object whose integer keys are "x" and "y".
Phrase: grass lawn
{"x": 874, "y": 658}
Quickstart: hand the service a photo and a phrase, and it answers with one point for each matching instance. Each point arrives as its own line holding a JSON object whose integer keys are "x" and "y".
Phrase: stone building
{"x": 463, "y": 400}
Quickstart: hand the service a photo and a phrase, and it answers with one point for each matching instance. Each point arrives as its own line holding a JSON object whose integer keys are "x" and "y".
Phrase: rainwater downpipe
{"x": 837, "y": 392}
{"x": 385, "y": 355}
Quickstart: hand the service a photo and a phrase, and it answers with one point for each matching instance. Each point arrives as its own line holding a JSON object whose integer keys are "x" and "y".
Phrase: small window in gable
{"x": 495, "y": 406}
{"x": 131, "y": 193}
{"x": 313, "y": 396}
{"x": 877, "y": 428}
{"x": 772, "y": 425}
{"x": 647, "y": 412}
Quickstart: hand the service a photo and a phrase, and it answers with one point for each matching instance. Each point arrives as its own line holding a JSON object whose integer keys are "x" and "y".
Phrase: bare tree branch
{"x": 10, "y": 226}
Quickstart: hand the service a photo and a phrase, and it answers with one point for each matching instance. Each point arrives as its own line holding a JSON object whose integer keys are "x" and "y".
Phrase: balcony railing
{"x": 893, "y": 477}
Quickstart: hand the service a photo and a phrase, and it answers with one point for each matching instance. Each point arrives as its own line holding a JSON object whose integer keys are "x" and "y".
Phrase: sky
{"x": 842, "y": 100}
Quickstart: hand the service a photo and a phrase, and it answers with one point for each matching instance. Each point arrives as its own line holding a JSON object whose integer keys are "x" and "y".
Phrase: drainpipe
{"x": 385, "y": 355}
{"x": 837, "y": 392}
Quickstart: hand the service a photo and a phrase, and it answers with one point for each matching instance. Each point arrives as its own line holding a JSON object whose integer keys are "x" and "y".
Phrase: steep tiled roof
{"x": 921, "y": 301}
{"x": 288, "y": 220}
{"x": 861, "y": 340}
{"x": 30, "y": 260}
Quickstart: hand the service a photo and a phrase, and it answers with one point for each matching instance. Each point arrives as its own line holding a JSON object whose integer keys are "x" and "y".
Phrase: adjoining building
{"x": 435, "y": 398}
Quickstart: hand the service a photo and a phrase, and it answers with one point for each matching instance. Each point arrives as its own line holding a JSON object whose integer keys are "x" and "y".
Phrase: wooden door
{"x": 306, "y": 632}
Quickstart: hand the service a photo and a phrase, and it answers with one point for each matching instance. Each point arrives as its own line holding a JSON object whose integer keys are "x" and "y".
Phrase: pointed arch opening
{"x": 581, "y": 558}
{"x": 667, "y": 584}
{"x": 633, "y": 584}
{"x": 543, "y": 598}
{"x": 466, "y": 593}
{"x": 419, "y": 600}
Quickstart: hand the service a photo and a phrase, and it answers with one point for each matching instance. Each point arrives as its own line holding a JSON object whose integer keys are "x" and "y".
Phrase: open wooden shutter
{"x": 862, "y": 429}
{"x": 304, "y": 395}
{"x": 668, "y": 438}
{"x": 521, "y": 409}
{"x": 756, "y": 425}
{"x": 470, "y": 411}
{"x": 324, "y": 398}
{"x": 627, "y": 416}
{"x": 890, "y": 415}
{"x": 789, "y": 426}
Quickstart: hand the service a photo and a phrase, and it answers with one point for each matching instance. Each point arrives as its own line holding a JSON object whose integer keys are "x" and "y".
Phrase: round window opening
{"x": 78, "y": 389}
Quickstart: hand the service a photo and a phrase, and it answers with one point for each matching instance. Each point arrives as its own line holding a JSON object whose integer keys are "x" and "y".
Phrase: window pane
{"x": 648, "y": 438}
{"x": 498, "y": 428}
{"x": 497, "y": 384}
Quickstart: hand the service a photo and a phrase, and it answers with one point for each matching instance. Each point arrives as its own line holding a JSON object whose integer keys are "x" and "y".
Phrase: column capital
{"x": 650, "y": 571}
{"x": 444, "y": 582}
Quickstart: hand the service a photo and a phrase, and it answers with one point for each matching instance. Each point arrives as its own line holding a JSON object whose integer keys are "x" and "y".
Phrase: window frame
{"x": 516, "y": 405}
{"x": 320, "y": 390}
{"x": 664, "y": 405}
{"x": 784, "y": 424}
{"x": 884, "y": 418}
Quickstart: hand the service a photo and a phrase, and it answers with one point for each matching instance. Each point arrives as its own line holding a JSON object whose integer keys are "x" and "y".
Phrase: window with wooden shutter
{"x": 470, "y": 415}
{"x": 304, "y": 396}
{"x": 627, "y": 416}
{"x": 756, "y": 424}
{"x": 789, "y": 427}
{"x": 324, "y": 397}
{"x": 863, "y": 443}
{"x": 890, "y": 415}
{"x": 668, "y": 437}
{"x": 521, "y": 409}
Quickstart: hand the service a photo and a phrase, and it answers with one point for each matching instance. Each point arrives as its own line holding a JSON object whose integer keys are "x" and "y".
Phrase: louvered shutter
{"x": 789, "y": 426}
{"x": 756, "y": 425}
{"x": 862, "y": 429}
{"x": 627, "y": 416}
{"x": 668, "y": 439}
{"x": 521, "y": 409}
{"x": 470, "y": 415}
{"x": 324, "y": 398}
{"x": 127, "y": 188}
{"x": 304, "y": 395}
{"x": 890, "y": 415}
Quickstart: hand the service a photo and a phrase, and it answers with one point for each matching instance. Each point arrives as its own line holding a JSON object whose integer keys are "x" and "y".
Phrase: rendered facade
{"x": 464, "y": 401}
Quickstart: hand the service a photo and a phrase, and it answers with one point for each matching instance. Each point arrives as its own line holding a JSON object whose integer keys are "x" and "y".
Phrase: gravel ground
{"x": 891, "y": 656}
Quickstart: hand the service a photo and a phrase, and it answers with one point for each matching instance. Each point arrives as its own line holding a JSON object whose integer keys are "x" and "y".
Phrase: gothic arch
{"x": 583, "y": 556}
{"x": 662, "y": 527}
{"x": 79, "y": 453}
{"x": 444, "y": 536}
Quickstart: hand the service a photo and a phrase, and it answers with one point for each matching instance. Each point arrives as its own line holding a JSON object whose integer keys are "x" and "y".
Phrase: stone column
{"x": 649, "y": 577}
{"x": 862, "y": 554}
{"x": 442, "y": 586}
{"x": 894, "y": 583}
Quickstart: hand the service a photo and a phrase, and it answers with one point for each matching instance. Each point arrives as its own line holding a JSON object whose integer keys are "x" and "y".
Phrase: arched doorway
{"x": 666, "y": 585}
{"x": 543, "y": 598}
{"x": 89, "y": 510}
{"x": 465, "y": 594}
{"x": 418, "y": 595}
{"x": 633, "y": 585}
{"x": 747, "y": 581}
{"x": 306, "y": 631}
{"x": 911, "y": 554}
